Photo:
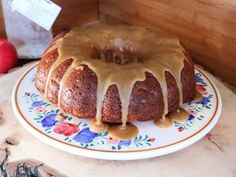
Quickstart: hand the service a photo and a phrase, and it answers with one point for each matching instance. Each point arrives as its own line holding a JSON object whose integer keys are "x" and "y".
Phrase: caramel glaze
{"x": 164, "y": 122}
{"x": 145, "y": 53}
{"x": 198, "y": 96}
{"x": 116, "y": 131}
{"x": 180, "y": 115}
{"x": 121, "y": 132}
{"x": 98, "y": 127}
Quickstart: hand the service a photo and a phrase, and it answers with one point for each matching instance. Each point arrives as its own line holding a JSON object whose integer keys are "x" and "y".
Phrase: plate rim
{"x": 117, "y": 155}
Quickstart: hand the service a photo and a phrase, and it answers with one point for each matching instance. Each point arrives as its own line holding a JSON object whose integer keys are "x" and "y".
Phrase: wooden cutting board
{"x": 214, "y": 155}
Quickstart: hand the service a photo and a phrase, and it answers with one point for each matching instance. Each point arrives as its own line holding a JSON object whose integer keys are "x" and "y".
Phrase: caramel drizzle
{"x": 54, "y": 46}
{"x": 162, "y": 55}
{"x": 180, "y": 115}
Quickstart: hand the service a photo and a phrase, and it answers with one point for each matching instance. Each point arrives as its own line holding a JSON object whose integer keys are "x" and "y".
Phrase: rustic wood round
{"x": 214, "y": 155}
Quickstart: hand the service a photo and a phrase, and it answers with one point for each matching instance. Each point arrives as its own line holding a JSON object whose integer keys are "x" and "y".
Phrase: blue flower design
{"x": 124, "y": 143}
{"x": 37, "y": 103}
{"x": 85, "y": 136}
{"x": 205, "y": 101}
{"x": 49, "y": 120}
{"x": 199, "y": 79}
{"x": 191, "y": 117}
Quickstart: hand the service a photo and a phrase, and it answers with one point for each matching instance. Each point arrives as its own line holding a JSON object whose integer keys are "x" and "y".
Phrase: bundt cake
{"x": 116, "y": 74}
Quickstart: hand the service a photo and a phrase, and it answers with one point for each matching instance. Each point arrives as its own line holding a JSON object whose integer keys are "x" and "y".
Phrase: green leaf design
{"x": 146, "y": 137}
{"x": 139, "y": 138}
{"x": 69, "y": 118}
{"x": 140, "y": 144}
{"x": 85, "y": 125}
{"x": 37, "y": 118}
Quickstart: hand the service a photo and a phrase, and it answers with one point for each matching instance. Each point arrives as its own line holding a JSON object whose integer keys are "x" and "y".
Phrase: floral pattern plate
{"x": 73, "y": 135}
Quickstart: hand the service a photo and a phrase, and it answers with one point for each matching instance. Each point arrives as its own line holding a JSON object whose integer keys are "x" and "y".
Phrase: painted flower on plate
{"x": 85, "y": 136}
{"x": 27, "y": 94}
{"x": 201, "y": 89}
{"x": 205, "y": 101}
{"x": 65, "y": 128}
{"x": 180, "y": 129}
{"x": 37, "y": 103}
{"x": 111, "y": 140}
{"x": 49, "y": 120}
{"x": 199, "y": 79}
{"x": 191, "y": 117}
{"x": 40, "y": 109}
{"x": 124, "y": 143}
{"x": 151, "y": 139}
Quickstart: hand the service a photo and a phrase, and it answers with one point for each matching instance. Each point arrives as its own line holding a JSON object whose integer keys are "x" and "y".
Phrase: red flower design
{"x": 65, "y": 128}
{"x": 151, "y": 139}
{"x": 112, "y": 140}
{"x": 27, "y": 94}
{"x": 40, "y": 109}
{"x": 201, "y": 89}
{"x": 180, "y": 129}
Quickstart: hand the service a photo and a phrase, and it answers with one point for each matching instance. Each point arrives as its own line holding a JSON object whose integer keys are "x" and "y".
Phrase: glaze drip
{"x": 98, "y": 127}
{"x": 164, "y": 122}
{"x": 180, "y": 115}
{"x": 198, "y": 96}
{"x": 121, "y": 132}
{"x": 157, "y": 55}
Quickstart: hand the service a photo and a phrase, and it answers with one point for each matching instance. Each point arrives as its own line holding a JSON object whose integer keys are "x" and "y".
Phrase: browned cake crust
{"x": 79, "y": 91}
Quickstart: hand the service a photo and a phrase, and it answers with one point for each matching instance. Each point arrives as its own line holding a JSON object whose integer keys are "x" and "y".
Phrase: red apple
{"x": 8, "y": 56}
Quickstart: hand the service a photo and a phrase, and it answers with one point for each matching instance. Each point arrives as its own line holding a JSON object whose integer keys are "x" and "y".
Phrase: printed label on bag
{"x": 42, "y": 12}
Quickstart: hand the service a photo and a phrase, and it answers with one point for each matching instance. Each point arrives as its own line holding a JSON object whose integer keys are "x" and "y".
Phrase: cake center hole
{"x": 117, "y": 55}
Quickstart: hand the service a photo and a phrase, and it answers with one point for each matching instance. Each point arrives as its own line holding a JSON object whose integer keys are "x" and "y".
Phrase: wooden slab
{"x": 206, "y": 27}
{"x": 214, "y": 155}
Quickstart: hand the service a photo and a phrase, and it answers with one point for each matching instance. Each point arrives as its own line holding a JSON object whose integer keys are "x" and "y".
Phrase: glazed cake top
{"x": 120, "y": 55}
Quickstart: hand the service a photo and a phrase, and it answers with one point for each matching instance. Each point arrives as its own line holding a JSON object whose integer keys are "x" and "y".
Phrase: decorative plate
{"x": 73, "y": 135}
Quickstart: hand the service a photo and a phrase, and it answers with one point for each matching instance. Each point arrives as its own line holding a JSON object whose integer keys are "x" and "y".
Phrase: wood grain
{"x": 206, "y": 27}
{"x": 74, "y": 12}
{"x": 212, "y": 156}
